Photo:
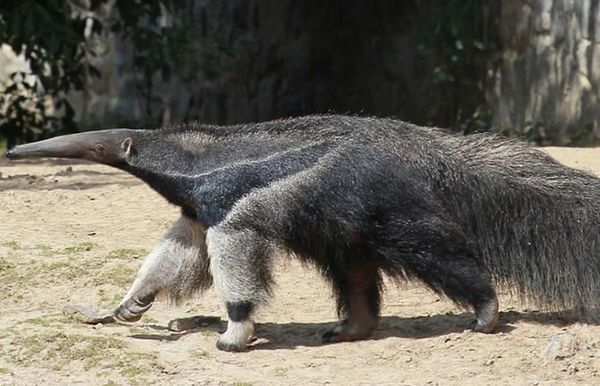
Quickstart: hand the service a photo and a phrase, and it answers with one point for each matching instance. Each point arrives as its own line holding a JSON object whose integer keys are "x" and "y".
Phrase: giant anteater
{"x": 358, "y": 198}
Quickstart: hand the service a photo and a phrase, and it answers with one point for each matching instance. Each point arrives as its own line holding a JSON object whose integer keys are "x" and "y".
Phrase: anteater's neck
{"x": 177, "y": 189}
{"x": 175, "y": 164}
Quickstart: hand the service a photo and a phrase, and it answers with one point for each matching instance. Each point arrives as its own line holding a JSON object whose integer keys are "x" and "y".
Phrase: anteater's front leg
{"x": 176, "y": 268}
{"x": 240, "y": 262}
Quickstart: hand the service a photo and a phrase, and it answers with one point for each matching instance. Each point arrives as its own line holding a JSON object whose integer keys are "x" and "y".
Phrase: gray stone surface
{"x": 549, "y": 72}
{"x": 561, "y": 346}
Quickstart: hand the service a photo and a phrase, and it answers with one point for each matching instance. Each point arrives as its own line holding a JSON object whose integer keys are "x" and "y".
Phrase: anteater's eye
{"x": 99, "y": 148}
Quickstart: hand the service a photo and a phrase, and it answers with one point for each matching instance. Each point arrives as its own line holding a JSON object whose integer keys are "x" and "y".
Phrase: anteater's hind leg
{"x": 435, "y": 251}
{"x": 176, "y": 268}
{"x": 459, "y": 277}
{"x": 240, "y": 262}
{"x": 357, "y": 290}
{"x": 464, "y": 283}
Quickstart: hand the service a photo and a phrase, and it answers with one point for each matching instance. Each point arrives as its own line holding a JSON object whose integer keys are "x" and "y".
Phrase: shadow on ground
{"x": 45, "y": 182}
{"x": 291, "y": 335}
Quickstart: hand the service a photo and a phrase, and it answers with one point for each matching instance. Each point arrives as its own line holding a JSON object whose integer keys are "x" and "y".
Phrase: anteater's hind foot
{"x": 358, "y": 296}
{"x": 487, "y": 316}
{"x": 348, "y": 331}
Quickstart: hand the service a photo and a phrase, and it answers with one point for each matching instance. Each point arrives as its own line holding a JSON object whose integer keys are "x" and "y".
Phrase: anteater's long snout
{"x": 104, "y": 146}
{"x": 68, "y": 146}
{"x": 18, "y": 152}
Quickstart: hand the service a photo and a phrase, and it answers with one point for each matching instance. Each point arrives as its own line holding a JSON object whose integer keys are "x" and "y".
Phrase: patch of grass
{"x": 77, "y": 249}
{"x": 131, "y": 371}
{"x": 126, "y": 253}
{"x": 13, "y": 244}
{"x": 132, "y": 365}
{"x": 57, "y": 349}
{"x": 41, "y": 321}
{"x": 65, "y": 270}
{"x": 5, "y": 371}
{"x": 120, "y": 275}
{"x": 45, "y": 250}
{"x": 5, "y": 265}
{"x": 110, "y": 298}
{"x": 242, "y": 383}
{"x": 27, "y": 274}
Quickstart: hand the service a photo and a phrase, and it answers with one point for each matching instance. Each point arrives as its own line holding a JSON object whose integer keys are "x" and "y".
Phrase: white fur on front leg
{"x": 237, "y": 336}
{"x": 152, "y": 272}
{"x": 165, "y": 266}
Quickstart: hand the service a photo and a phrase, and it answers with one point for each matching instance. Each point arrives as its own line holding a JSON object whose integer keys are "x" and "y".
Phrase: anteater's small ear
{"x": 127, "y": 146}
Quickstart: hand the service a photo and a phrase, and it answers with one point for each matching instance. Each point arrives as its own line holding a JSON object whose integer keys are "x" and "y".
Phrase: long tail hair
{"x": 534, "y": 222}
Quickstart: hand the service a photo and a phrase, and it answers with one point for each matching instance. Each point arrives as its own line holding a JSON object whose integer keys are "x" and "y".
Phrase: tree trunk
{"x": 547, "y": 83}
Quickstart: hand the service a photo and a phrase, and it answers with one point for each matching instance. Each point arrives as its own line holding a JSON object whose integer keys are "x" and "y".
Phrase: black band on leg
{"x": 239, "y": 311}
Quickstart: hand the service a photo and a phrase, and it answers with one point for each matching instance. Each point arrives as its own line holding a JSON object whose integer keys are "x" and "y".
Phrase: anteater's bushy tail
{"x": 534, "y": 222}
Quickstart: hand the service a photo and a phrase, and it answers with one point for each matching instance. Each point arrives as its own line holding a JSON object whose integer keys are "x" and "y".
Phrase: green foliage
{"x": 53, "y": 37}
{"x": 157, "y": 48}
{"x": 52, "y": 43}
{"x": 455, "y": 41}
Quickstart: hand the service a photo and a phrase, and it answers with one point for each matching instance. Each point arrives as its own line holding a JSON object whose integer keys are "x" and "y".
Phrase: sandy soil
{"x": 75, "y": 233}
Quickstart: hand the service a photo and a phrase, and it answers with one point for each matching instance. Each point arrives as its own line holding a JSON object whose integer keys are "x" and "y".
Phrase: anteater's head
{"x": 111, "y": 147}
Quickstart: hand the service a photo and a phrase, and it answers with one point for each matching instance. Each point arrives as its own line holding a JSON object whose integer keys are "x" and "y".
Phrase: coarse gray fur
{"x": 357, "y": 198}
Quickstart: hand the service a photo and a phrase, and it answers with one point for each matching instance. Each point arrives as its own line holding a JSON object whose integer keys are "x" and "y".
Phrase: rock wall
{"x": 547, "y": 82}
{"x": 250, "y": 60}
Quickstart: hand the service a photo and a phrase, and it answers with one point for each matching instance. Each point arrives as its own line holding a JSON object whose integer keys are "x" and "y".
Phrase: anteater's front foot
{"x": 237, "y": 336}
{"x": 231, "y": 346}
{"x": 132, "y": 309}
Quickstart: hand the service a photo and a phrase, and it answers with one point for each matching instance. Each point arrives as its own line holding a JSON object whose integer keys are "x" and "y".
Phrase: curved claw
{"x": 131, "y": 310}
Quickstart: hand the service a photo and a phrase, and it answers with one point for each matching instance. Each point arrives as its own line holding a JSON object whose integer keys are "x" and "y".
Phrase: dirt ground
{"x": 75, "y": 233}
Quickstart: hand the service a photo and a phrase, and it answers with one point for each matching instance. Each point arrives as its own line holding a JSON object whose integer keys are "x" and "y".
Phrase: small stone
{"x": 561, "y": 346}
{"x": 88, "y": 314}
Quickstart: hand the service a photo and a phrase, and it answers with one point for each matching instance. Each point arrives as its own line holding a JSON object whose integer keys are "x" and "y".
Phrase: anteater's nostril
{"x": 10, "y": 154}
